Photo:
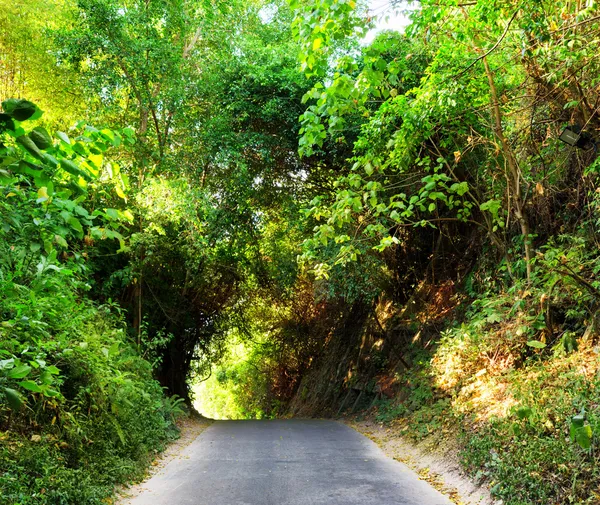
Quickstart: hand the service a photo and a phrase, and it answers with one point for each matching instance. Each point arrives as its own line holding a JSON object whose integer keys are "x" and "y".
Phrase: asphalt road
{"x": 288, "y": 462}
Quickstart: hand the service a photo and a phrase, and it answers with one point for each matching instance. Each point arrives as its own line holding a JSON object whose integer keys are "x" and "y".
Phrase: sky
{"x": 387, "y": 17}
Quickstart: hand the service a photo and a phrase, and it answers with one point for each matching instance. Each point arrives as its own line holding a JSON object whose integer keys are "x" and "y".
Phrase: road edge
{"x": 190, "y": 428}
{"x": 440, "y": 468}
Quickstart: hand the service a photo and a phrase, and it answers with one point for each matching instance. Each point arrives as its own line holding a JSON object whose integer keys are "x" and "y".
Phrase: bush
{"x": 519, "y": 378}
{"x": 79, "y": 408}
{"x": 107, "y": 418}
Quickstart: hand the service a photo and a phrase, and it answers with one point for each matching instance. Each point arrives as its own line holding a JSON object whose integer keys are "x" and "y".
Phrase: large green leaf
{"x": 9, "y": 105}
{"x": 30, "y": 386}
{"x": 14, "y": 399}
{"x": 51, "y": 160}
{"x": 21, "y": 110}
{"x": 72, "y": 168}
{"x": 583, "y": 436}
{"x": 64, "y": 137}
{"x": 30, "y": 147}
{"x": 41, "y": 138}
{"x": 76, "y": 225}
{"x": 19, "y": 372}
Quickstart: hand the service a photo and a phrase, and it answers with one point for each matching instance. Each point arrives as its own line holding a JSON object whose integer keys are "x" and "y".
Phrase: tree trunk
{"x": 173, "y": 373}
{"x": 514, "y": 178}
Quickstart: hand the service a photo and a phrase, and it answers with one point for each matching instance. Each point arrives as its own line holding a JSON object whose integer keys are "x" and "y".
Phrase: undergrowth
{"x": 91, "y": 413}
{"x": 519, "y": 379}
{"x": 80, "y": 410}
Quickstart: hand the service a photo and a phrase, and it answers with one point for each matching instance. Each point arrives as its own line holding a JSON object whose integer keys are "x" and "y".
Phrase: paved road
{"x": 287, "y": 462}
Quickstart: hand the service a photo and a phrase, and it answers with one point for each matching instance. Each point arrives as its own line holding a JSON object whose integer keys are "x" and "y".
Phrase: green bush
{"x": 108, "y": 415}
{"x": 80, "y": 410}
{"x": 518, "y": 377}
{"x": 529, "y": 456}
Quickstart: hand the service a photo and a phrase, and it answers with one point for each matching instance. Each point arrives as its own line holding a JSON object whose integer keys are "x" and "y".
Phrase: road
{"x": 285, "y": 462}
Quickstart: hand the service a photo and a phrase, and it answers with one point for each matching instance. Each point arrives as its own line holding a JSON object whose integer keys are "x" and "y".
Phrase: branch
{"x": 580, "y": 279}
{"x": 494, "y": 46}
{"x": 585, "y": 21}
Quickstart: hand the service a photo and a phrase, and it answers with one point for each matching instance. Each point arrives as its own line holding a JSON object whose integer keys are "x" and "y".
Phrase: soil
{"x": 437, "y": 463}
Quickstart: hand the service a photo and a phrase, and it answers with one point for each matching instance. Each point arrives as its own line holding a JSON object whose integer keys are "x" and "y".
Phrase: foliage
{"x": 88, "y": 413}
{"x": 55, "y": 174}
{"x": 518, "y": 377}
{"x": 214, "y": 95}
{"x": 515, "y": 452}
{"x": 28, "y": 67}
{"x": 427, "y": 155}
{"x": 447, "y": 240}
{"x": 238, "y": 387}
{"x": 79, "y": 409}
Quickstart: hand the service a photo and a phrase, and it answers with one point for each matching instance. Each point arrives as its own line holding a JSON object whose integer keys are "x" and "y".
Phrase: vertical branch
{"x": 513, "y": 167}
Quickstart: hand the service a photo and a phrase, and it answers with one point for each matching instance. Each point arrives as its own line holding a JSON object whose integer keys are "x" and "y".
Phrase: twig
{"x": 494, "y": 46}
{"x": 585, "y": 21}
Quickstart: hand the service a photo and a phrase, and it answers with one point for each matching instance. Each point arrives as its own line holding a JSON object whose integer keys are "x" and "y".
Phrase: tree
{"x": 446, "y": 151}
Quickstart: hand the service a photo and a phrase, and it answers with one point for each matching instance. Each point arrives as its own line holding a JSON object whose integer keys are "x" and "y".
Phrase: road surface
{"x": 285, "y": 462}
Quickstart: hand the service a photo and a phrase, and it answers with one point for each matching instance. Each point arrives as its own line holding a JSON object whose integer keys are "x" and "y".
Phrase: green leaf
{"x": 14, "y": 399}
{"x": 118, "y": 428}
{"x": 21, "y": 110}
{"x": 79, "y": 148}
{"x": 583, "y": 436}
{"x": 41, "y": 138}
{"x": 120, "y": 192}
{"x": 19, "y": 372}
{"x": 30, "y": 386}
{"x": 72, "y": 168}
{"x": 128, "y": 132}
{"x": 536, "y": 344}
{"x": 51, "y": 160}
{"x": 114, "y": 349}
{"x": 461, "y": 188}
{"x": 578, "y": 420}
{"x": 30, "y": 147}
{"x": 524, "y": 413}
{"x": 46, "y": 377}
{"x": 9, "y": 105}
{"x": 76, "y": 225}
{"x": 6, "y": 363}
{"x": 61, "y": 241}
{"x": 64, "y": 137}
{"x": 112, "y": 214}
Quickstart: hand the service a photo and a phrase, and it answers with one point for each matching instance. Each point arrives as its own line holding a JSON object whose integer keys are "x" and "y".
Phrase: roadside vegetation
{"x": 80, "y": 408}
{"x": 247, "y": 205}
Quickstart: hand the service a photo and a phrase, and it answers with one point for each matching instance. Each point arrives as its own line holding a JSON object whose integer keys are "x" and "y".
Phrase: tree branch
{"x": 494, "y": 46}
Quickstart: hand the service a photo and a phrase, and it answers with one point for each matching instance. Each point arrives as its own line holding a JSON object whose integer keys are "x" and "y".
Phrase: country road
{"x": 285, "y": 462}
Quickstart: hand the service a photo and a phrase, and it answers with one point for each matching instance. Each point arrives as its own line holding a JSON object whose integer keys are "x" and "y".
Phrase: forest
{"x": 282, "y": 208}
